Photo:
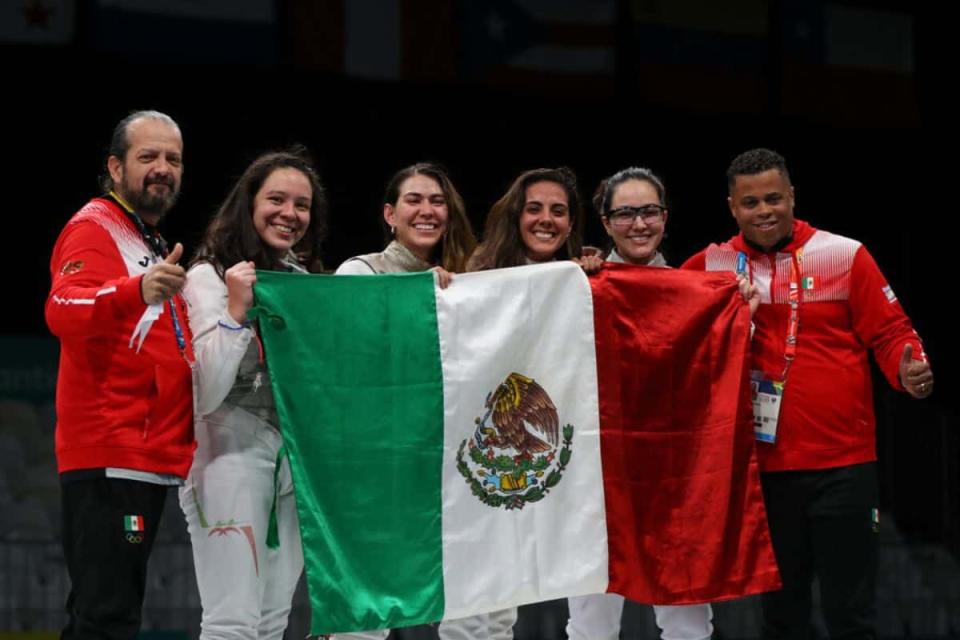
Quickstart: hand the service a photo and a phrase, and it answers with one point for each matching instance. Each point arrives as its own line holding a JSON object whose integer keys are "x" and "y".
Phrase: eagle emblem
{"x": 513, "y": 457}
{"x": 71, "y": 267}
{"x": 518, "y": 402}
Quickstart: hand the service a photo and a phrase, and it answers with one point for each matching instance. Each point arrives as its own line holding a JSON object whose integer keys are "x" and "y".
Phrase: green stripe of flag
{"x": 393, "y": 391}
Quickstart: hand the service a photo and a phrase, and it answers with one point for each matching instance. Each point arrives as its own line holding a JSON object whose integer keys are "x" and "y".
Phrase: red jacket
{"x": 116, "y": 407}
{"x": 846, "y": 307}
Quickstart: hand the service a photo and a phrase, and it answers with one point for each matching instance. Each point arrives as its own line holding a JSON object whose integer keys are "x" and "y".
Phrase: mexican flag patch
{"x": 133, "y": 523}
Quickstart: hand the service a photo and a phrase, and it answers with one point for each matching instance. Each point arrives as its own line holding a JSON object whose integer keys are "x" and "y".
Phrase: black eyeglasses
{"x": 623, "y": 217}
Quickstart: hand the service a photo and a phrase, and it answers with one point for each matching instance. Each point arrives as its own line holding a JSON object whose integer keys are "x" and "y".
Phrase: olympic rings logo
{"x": 134, "y": 538}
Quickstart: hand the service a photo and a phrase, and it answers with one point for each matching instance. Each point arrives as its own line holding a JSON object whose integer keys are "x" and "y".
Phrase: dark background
{"x": 860, "y": 131}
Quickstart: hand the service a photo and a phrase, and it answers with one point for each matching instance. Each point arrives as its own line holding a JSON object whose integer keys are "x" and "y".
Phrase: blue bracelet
{"x": 244, "y": 325}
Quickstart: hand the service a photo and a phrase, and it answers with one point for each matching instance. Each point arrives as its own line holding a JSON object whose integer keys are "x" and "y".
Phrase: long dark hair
{"x": 458, "y": 242}
{"x": 231, "y": 237}
{"x": 502, "y": 244}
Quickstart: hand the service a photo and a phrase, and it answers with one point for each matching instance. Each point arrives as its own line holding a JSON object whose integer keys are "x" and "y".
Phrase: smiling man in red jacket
{"x": 124, "y": 393}
{"x": 824, "y": 304}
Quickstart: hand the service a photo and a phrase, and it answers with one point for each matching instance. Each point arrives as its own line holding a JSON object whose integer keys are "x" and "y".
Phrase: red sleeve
{"x": 91, "y": 292}
{"x": 878, "y": 319}
{"x": 697, "y": 262}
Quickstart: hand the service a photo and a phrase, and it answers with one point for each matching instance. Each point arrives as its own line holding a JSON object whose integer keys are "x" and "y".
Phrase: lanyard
{"x": 158, "y": 250}
{"x": 790, "y": 351}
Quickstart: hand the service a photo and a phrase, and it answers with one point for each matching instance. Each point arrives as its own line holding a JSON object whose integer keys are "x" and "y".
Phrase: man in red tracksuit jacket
{"x": 824, "y": 304}
{"x": 124, "y": 391}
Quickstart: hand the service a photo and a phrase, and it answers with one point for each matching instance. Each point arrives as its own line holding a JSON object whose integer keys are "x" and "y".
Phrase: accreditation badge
{"x": 767, "y": 394}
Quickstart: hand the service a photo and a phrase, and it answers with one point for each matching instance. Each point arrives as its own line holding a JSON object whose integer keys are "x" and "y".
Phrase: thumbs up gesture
{"x": 164, "y": 279}
{"x": 915, "y": 375}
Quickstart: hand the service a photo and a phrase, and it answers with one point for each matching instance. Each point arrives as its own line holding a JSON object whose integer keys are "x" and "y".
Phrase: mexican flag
{"x": 133, "y": 523}
{"x": 524, "y": 435}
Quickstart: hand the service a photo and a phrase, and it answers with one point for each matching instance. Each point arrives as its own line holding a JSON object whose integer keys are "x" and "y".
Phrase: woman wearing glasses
{"x": 632, "y": 206}
{"x": 634, "y": 214}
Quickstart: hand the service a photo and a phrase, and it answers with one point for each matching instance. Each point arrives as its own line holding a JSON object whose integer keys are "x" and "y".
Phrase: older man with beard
{"x": 124, "y": 398}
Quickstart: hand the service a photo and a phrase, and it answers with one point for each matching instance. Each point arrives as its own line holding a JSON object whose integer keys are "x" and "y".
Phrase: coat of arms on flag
{"x": 514, "y": 461}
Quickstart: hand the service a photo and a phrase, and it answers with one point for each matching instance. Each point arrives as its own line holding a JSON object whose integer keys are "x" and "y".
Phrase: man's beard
{"x": 144, "y": 202}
